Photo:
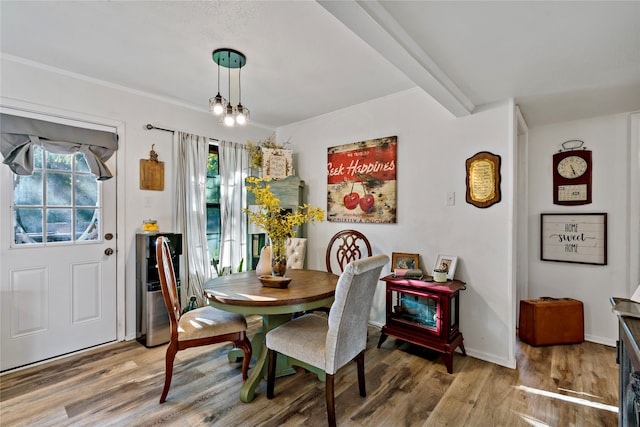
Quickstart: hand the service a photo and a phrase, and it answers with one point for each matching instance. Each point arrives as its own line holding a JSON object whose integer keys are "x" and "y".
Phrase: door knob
{"x": 108, "y": 251}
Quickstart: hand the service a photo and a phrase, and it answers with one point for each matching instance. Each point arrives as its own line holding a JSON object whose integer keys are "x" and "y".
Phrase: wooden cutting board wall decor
{"x": 151, "y": 172}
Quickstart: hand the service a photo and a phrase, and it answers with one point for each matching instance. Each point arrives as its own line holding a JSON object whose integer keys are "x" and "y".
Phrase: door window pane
{"x": 59, "y": 161}
{"x": 58, "y": 225}
{"x": 27, "y": 225}
{"x": 81, "y": 163}
{"x": 58, "y": 189}
{"x": 27, "y": 190}
{"x": 87, "y": 226}
{"x": 37, "y": 157}
{"x": 86, "y": 190}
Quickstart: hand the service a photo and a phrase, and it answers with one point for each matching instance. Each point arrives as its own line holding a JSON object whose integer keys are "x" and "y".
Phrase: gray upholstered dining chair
{"x": 330, "y": 343}
{"x": 201, "y": 326}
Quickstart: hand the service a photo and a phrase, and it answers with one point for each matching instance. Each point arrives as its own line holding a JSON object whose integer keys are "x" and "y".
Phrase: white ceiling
{"x": 559, "y": 60}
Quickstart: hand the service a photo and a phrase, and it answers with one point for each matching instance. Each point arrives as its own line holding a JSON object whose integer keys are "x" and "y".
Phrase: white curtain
{"x": 233, "y": 160}
{"x": 191, "y": 214}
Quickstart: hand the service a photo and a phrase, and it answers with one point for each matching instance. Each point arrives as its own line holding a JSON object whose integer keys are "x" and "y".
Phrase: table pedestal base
{"x": 242, "y": 293}
{"x": 259, "y": 348}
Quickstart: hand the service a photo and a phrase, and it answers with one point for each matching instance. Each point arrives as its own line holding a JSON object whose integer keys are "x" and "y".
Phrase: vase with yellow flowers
{"x": 278, "y": 223}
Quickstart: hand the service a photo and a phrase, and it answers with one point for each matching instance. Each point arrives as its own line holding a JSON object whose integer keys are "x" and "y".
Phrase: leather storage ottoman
{"x": 547, "y": 321}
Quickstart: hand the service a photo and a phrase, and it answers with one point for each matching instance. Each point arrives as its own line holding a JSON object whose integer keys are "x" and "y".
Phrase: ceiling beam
{"x": 376, "y": 27}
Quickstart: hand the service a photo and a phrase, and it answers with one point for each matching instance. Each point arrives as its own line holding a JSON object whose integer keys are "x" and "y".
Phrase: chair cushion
{"x": 208, "y": 321}
{"x": 303, "y": 338}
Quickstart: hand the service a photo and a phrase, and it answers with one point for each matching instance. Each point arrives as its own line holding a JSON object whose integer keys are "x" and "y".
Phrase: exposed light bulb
{"x": 228, "y": 116}
{"x": 218, "y": 108}
{"x": 241, "y": 117}
{"x": 216, "y": 104}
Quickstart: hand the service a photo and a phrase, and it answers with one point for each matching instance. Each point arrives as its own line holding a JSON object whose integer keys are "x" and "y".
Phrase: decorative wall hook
{"x": 152, "y": 154}
{"x": 152, "y": 172}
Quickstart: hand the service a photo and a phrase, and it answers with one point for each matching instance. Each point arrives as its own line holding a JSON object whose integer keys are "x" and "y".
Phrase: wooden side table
{"x": 424, "y": 313}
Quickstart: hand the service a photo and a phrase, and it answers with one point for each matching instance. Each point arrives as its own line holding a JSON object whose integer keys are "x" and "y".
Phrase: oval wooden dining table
{"x": 244, "y": 293}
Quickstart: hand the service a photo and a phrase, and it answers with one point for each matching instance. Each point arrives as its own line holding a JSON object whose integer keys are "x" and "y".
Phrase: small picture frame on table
{"x": 404, "y": 261}
{"x": 447, "y": 263}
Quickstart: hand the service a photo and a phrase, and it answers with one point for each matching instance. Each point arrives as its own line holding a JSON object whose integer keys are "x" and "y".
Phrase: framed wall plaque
{"x": 277, "y": 163}
{"x": 579, "y": 238}
{"x": 483, "y": 179}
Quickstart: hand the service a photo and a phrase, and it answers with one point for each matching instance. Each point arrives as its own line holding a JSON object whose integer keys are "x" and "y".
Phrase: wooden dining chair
{"x": 344, "y": 247}
{"x": 198, "y": 327}
{"x": 328, "y": 344}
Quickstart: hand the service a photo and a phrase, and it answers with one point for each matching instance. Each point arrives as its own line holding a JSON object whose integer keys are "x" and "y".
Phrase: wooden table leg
{"x": 259, "y": 371}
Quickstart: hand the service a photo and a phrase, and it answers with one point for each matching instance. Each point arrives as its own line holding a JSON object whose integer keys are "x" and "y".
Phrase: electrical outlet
{"x": 451, "y": 198}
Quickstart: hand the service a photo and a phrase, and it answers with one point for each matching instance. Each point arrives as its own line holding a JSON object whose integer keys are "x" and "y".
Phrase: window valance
{"x": 18, "y": 135}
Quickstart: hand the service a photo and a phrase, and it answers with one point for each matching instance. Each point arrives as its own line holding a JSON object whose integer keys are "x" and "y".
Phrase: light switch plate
{"x": 451, "y": 198}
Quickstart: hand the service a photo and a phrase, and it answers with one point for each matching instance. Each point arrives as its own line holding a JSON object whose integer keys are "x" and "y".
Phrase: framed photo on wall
{"x": 447, "y": 263}
{"x": 579, "y": 238}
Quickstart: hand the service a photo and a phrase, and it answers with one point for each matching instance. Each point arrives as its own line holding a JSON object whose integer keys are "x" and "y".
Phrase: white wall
{"x": 615, "y": 162}
{"x": 41, "y": 89}
{"x": 432, "y": 149}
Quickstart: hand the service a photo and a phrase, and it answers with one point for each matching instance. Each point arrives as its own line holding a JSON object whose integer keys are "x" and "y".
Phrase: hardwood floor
{"x": 120, "y": 384}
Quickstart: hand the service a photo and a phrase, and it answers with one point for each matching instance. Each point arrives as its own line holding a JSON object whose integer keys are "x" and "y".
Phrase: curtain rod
{"x": 150, "y": 127}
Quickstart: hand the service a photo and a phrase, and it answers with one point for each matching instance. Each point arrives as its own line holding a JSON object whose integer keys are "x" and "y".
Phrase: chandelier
{"x": 219, "y": 106}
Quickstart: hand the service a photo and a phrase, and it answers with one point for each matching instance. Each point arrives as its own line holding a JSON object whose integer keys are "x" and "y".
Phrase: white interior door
{"x": 58, "y": 279}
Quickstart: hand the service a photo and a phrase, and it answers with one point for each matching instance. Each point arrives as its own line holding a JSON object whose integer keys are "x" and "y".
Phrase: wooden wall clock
{"x": 572, "y": 173}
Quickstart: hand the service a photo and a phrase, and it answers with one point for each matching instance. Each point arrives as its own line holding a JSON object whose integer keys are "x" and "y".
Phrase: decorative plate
{"x": 275, "y": 281}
